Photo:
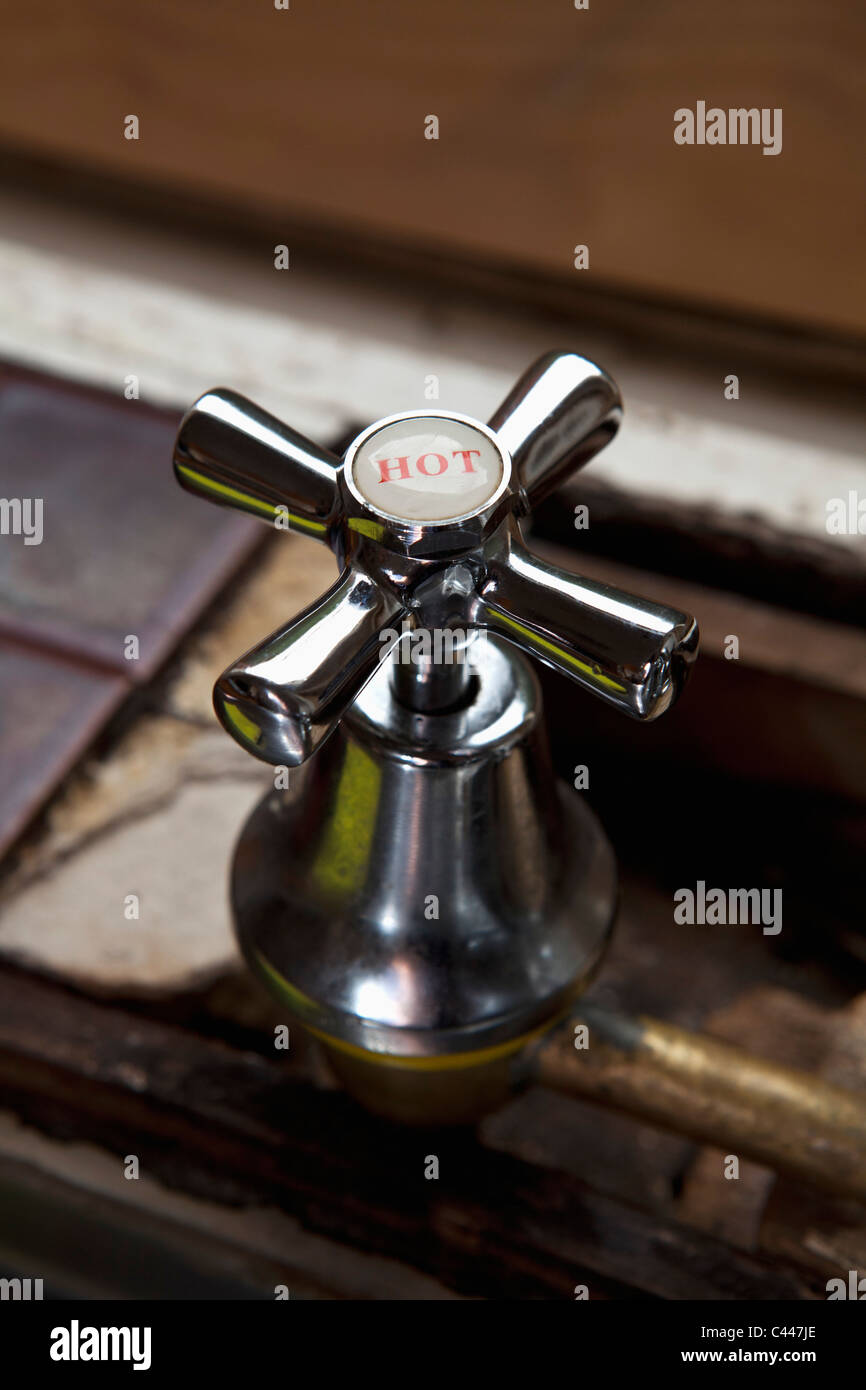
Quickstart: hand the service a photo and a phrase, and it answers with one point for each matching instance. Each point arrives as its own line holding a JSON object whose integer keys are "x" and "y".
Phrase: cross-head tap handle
{"x": 423, "y": 514}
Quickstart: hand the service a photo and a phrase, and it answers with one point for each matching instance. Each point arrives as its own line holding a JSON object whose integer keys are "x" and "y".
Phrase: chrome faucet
{"x": 425, "y": 897}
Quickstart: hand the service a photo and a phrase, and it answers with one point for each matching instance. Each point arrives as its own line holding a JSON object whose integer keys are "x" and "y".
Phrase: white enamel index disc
{"x": 427, "y": 468}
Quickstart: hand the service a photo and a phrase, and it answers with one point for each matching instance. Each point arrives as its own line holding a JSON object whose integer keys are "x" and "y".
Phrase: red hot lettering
{"x": 392, "y": 469}
{"x": 388, "y": 466}
{"x": 424, "y": 468}
{"x": 465, "y": 455}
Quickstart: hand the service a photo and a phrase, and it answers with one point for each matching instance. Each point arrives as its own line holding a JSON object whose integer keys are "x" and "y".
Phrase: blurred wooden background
{"x": 556, "y": 128}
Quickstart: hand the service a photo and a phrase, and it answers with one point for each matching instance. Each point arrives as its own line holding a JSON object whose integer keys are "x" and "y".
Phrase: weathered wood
{"x": 557, "y": 128}
{"x": 798, "y": 685}
{"x": 234, "y": 1125}
{"x": 785, "y": 570}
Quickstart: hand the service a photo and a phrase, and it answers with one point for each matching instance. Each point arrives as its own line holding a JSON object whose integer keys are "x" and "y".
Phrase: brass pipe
{"x": 712, "y": 1092}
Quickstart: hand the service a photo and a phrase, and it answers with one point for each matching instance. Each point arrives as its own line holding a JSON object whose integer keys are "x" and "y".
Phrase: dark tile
{"x": 50, "y": 711}
{"x": 124, "y": 551}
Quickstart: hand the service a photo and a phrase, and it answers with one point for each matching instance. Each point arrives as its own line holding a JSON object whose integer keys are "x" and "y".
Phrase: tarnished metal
{"x": 712, "y": 1092}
